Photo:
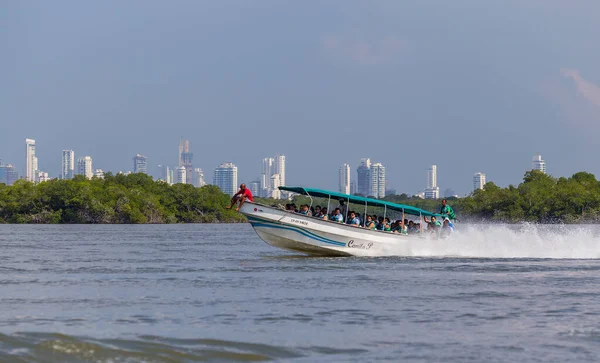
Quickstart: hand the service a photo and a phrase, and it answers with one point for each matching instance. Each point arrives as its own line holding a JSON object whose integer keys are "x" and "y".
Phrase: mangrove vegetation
{"x": 133, "y": 198}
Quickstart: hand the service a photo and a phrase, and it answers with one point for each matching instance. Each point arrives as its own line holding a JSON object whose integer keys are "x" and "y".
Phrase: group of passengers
{"x": 372, "y": 222}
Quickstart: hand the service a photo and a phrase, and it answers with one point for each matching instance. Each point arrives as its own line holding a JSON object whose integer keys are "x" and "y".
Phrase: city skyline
{"x": 274, "y": 165}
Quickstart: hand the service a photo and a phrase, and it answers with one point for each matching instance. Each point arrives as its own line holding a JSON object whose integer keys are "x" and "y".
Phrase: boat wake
{"x": 510, "y": 241}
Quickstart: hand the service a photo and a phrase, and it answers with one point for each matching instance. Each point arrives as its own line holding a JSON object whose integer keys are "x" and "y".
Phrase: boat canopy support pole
{"x": 328, "y": 202}
{"x": 311, "y": 200}
{"x": 384, "y": 212}
{"x": 365, "y": 215}
{"x": 347, "y": 207}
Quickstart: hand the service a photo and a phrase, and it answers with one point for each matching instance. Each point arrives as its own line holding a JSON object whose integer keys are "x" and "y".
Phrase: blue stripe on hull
{"x": 259, "y": 222}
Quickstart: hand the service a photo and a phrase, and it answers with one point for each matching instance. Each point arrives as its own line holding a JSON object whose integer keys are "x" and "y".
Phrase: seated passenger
{"x": 412, "y": 227}
{"x": 369, "y": 224}
{"x": 400, "y": 228}
{"x": 380, "y": 224}
{"x": 447, "y": 228}
{"x": 243, "y": 195}
{"x": 304, "y": 210}
{"x": 323, "y": 215}
{"x": 337, "y": 216}
{"x": 432, "y": 224}
{"x": 352, "y": 220}
{"x": 386, "y": 225}
{"x": 317, "y": 211}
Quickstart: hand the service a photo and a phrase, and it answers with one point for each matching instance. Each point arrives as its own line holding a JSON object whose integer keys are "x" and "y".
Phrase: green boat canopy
{"x": 320, "y": 193}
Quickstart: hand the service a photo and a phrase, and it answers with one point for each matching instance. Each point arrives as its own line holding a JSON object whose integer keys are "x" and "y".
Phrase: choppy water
{"x": 186, "y": 293}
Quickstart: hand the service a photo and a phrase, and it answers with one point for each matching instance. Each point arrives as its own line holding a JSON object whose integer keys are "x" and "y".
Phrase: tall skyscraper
{"x": 266, "y": 172}
{"x": 140, "y": 164}
{"x": 226, "y": 178}
{"x": 364, "y": 177}
{"x": 68, "y": 164}
{"x": 280, "y": 169}
{"x": 84, "y": 167}
{"x": 432, "y": 191}
{"x": 275, "y": 183}
{"x": 186, "y": 158}
{"x": 478, "y": 181}
{"x": 181, "y": 176}
{"x": 184, "y": 147}
{"x": 32, "y": 161}
{"x": 198, "y": 178}
{"x": 8, "y": 174}
{"x": 344, "y": 179}
{"x": 378, "y": 180}
{"x": 538, "y": 164}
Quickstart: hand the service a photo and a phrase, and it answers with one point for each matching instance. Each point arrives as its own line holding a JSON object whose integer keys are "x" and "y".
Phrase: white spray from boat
{"x": 509, "y": 241}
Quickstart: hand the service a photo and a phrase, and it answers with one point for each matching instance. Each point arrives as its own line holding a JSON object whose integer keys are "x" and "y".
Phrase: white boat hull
{"x": 296, "y": 232}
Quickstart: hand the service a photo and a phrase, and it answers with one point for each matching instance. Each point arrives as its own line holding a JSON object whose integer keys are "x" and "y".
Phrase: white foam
{"x": 509, "y": 241}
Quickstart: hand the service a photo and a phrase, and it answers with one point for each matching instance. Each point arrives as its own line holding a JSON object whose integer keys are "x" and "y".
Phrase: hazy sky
{"x": 468, "y": 85}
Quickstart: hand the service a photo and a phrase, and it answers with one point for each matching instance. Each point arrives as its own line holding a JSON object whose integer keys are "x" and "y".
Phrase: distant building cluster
{"x": 370, "y": 177}
{"x": 272, "y": 176}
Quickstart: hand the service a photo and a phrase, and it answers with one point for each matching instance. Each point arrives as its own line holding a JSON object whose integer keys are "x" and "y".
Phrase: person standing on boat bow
{"x": 446, "y": 210}
{"x": 243, "y": 195}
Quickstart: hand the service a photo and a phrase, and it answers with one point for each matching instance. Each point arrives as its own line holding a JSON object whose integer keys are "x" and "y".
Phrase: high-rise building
{"x": 99, "y": 173}
{"x": 68, "y": 164}
{"x": 538, "y": 164}
{"x": 31, "y": 162}
{"x": 280, "y": 169}
{"x": 254, "y": 187}
{"x": 275, "y": 182}
{"x": 8, "y": 174}
{"x": 377, "y": 180}
{"x": 226, "y": 178}
{"x": 161, "y": 172}
{"x": 84, "y": 167}
{"x": 266, "y": 172}
{"x": 184, "y": 147}
{"x": 432, "y": 191}
{"x": 186, "y": 158}
{"x": 478, "y": 181}
{"x": 353, "y": 189}
{"x": 344, "y": 179}
{"x": 181, "y": 176}
{"x": 364, "y": 177}
{"x": 170, "y": 173}
{"x": 198, "y": 178}
{"x": 140, "y": 164}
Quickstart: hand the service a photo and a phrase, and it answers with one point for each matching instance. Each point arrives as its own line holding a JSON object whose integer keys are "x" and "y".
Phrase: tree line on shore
{"x": 136, "y": 198}
{"x": 540, "y": 198}
{"x": 133, "y": 198}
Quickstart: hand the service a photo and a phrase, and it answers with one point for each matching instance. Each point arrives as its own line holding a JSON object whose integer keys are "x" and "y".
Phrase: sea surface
{"x": 187, "y": 293}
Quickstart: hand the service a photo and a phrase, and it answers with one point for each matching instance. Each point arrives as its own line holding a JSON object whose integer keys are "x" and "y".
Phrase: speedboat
{"x": 313, "y": 236}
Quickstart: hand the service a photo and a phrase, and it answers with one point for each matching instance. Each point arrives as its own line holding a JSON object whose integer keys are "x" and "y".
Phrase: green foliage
{"x": 133, "y": 198}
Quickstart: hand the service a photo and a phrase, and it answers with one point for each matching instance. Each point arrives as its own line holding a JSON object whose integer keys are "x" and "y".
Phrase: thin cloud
{"x": 579, "y": 100}
{"x": 585, "y": 88}
{"x": 363, "y": 52}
